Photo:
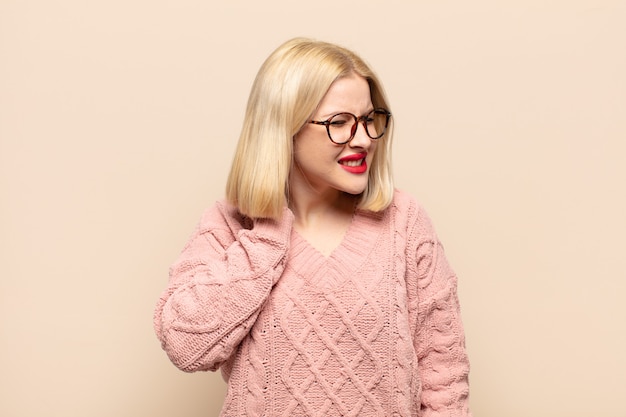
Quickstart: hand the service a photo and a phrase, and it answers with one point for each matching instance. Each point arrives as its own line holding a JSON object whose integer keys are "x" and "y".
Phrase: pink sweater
{"x": 372, "y": 330}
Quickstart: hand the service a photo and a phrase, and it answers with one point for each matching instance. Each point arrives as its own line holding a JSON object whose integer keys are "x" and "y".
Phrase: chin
{"x": 355, "y": 190}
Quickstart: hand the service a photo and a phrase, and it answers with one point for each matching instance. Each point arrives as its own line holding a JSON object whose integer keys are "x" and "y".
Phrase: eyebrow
{"x": 328, "y": 115}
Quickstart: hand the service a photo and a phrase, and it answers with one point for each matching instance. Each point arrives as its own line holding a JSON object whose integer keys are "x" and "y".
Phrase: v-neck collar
{"x": 345, "y": 260}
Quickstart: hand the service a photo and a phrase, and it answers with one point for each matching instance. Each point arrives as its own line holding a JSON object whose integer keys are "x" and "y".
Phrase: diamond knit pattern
{"x": 373, "y": 329}
{"x": 332, "y": 355}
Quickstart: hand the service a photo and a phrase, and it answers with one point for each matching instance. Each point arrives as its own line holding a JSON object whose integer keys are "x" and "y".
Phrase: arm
{"x": 439, "y": 337}
{"x": 218, "y": 286}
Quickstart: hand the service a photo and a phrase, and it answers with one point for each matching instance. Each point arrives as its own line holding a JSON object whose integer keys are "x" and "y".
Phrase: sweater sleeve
{"x": 218, "y": 286}
{"x": 439, "y": 337}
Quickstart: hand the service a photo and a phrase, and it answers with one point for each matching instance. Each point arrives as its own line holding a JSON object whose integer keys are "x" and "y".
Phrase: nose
{"x": 360, "y": 138}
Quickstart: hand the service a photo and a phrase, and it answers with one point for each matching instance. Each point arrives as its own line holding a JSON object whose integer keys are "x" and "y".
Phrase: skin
{"x": 322, "y": 192}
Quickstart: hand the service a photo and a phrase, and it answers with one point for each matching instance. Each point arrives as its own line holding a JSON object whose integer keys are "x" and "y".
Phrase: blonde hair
{"x": 287, "y": 90}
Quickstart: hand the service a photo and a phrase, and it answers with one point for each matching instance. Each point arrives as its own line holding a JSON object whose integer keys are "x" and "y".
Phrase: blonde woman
{"x": 315, "y": 286}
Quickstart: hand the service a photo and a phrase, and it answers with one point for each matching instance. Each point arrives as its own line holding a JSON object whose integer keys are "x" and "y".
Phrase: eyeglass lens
{"x": 342, "y": 127}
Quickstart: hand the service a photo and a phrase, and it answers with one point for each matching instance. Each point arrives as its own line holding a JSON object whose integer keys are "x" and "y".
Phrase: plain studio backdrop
{"x": 118, "y": 122}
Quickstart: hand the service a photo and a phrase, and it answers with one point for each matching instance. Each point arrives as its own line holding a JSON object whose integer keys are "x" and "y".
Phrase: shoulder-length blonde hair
{"x": 287, "y": 90}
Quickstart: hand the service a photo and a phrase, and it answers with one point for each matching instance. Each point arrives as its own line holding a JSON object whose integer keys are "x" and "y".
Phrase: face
{"x": 323, "y": 167}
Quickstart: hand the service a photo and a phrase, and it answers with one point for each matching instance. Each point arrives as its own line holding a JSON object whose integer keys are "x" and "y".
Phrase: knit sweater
{"x": 374, "y": 329}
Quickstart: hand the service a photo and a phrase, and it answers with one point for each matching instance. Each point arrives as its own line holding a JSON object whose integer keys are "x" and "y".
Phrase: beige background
{"x": 118, "y": 121}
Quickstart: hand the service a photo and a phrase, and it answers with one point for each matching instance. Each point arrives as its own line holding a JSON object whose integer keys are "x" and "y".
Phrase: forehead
{"x": 350, "y": 94}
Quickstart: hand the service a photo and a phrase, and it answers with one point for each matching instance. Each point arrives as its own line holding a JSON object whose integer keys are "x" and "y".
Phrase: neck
{"x": 308, "y": 210}
{"x": 322, "y": 220}
{"x": 308, "y": 201}
{"x": 310, "y": 205}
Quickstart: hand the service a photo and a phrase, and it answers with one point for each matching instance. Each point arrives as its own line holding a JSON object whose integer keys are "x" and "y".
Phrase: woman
{"x": 316, "y": 287}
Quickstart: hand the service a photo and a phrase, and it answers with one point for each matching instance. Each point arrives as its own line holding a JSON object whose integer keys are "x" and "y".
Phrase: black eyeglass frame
{"x": 355, "y": 125}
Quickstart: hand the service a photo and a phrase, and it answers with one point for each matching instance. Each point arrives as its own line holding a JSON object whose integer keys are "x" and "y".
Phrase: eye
{"x": 341, "y": 119}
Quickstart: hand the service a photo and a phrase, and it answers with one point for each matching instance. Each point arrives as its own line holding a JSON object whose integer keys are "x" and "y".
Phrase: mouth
{"x": 354, "y": 163}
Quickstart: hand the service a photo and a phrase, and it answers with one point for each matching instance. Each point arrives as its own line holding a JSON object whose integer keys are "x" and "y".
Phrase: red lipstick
{"x": 354, "y": 163}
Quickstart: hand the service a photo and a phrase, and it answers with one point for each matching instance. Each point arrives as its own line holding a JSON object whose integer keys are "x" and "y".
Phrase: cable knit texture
{"x": 374, "y": 329}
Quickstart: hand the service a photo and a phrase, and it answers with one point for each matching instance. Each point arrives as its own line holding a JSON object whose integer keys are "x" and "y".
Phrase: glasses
{"x": 342, "y": 127}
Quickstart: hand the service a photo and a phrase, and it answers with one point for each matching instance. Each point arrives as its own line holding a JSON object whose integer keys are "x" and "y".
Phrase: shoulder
{"x": 223, "y": 216}
{"x": 404, "y": 201}
{"x": 410, "y": 215}
{"x": 220, "y": 224}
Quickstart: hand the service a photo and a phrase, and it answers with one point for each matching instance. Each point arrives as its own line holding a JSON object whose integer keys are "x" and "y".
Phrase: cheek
{"x": 314, "y": 150}
{"x": 311, "y": 158}
{"x": 372, "y": 151}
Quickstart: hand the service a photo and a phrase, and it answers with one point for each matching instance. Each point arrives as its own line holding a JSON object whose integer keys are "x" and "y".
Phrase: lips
{"x": 354, "y": 163}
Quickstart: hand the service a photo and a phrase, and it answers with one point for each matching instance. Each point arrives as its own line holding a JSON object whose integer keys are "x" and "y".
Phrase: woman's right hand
{"x": 218, "y": 285}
